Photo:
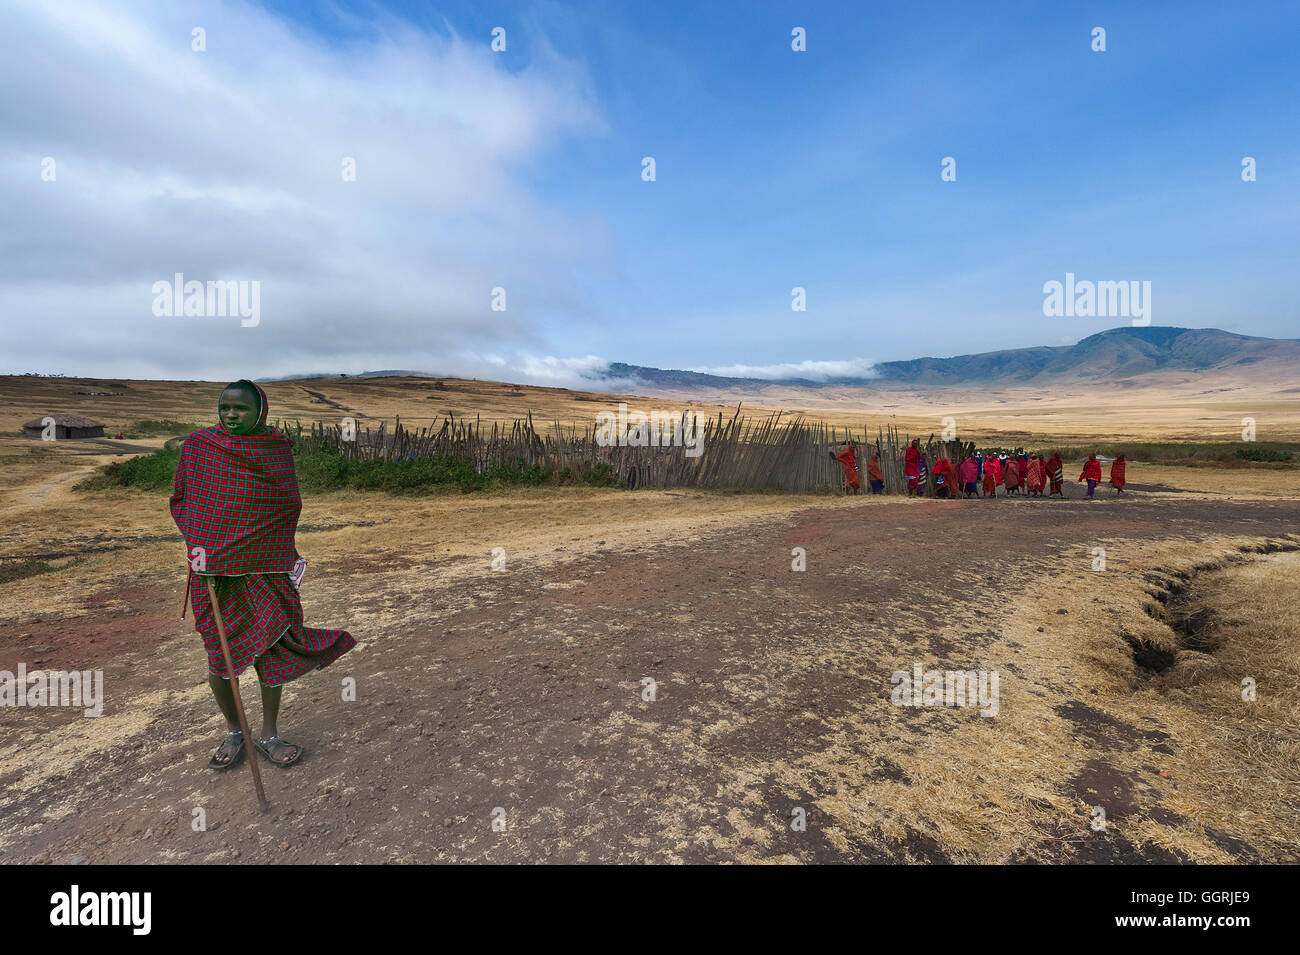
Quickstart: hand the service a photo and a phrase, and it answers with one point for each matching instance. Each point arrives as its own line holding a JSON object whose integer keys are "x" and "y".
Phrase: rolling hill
{"x": 1117, "y": 353}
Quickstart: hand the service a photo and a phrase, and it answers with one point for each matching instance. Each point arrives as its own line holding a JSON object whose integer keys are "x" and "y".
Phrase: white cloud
{"x": 226, "y": 165}
{"x": 811, "y": 370}
{"x": 588, "y": 373}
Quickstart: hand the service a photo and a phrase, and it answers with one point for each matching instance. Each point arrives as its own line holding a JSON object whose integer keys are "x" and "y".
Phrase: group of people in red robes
{"x": 1092, "y": 473}
{"x": 977, "y": 475}
{"x": 852, "y": 480}
{"x": 1021, "y": 474}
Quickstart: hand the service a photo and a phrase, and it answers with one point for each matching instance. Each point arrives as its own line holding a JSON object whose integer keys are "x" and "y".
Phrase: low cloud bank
{"x": 808, "y": 370}
{"x": 593, "y": 373}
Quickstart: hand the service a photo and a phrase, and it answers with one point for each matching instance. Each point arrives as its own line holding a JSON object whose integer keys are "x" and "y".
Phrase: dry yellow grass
{"x": 1162, "y": 406}
{"x": 1218, "y": 482}
{"x": 1233, "y": 767}
{"x": 369, "y": 400}
{"x": 1244, "y": 698}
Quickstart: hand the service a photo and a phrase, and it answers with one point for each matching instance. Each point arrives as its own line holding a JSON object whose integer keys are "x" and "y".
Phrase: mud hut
{"x": 65, "y": 426}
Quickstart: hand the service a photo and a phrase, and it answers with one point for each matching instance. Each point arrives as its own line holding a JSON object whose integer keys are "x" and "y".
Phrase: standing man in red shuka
{"x": 970, "y": 475}
{"x": 849, "y": 458}
{"x": 991, "y": 477}
{"x": 236, "y": 503}
{"x": 1035, "y": 475}
{"x": 912, "y": 467}
{"x": 875, "y": 475}
{"x": 1118, "y": 467}
{"x": 1011, "y": 476}
{"x": 1091, "y": 474}
{"x": 941, "y": 486}
{"x": 954, "y": 480}
{"x": 1055, "y": 475}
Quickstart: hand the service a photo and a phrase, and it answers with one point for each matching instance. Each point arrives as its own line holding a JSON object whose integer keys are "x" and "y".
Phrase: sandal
{"x": 265, "y": 746}
{"x": 216, "y": 764}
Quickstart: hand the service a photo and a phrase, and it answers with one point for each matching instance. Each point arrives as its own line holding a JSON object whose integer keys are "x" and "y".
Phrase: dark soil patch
{"x": 1166, "y": 817}
{"x": 1237, "y": 848}
{"x": 1105, "y": 730}
{"x": 1149, "y": 658}
{"x": 20, "y": 568}
{"x": 1101, "y": 784}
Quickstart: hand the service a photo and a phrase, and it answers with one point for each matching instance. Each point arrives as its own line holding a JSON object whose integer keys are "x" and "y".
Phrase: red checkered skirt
{"x": 263, "y": 618}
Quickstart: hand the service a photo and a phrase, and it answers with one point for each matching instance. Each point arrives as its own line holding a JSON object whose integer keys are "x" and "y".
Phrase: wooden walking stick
{"x": 234, "y": 688}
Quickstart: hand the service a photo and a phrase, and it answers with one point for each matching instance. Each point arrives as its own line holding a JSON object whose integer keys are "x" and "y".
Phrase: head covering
{"x": 256, "y": 389}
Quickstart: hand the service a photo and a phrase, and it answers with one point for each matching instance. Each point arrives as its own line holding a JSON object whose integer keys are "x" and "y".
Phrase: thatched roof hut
{"x": 65, "y": 426}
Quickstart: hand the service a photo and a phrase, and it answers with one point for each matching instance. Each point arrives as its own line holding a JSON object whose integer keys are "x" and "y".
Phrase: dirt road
{"x": 504, "y": 716}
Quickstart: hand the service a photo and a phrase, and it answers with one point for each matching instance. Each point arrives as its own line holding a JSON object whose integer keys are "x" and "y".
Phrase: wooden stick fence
{"x": 772, "y": 452}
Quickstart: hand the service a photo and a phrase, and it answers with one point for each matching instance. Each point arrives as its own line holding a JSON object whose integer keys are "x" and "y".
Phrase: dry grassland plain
{"x": 523, "y": 689}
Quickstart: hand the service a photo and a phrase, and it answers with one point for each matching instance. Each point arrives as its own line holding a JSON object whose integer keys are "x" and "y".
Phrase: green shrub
{"x": 1212, "y": 454}
{"x": 150, "y": 472}
{"x": 322, "y": 468}
{"x": 1263, "y": 454}
{"x": 154, "y": 429}
{"x": 601, "y": 475}
{"x": 20, "y": 568}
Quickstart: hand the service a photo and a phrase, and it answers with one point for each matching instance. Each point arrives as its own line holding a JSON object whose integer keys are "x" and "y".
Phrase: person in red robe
{"x": 970, "y": 475}
{"x": 1035, "y": 476}
{"x": 1055, "y": 475}
{"x": 992, "y": 475}
{"x": 875, "y": 475}
{"x": 1118, "y": 467}
{"x": 1022, "y": 468}
{"x": 912, "y": 466}
{"x": 235, "y": 500}
{"x": 1091, "y": 473}
{"x": 1011, "y": 476}
{"x": 943, "y": 489}
{"x": 954, "y": 480}
{"x": 849, "y": 458}
{"x": 990, "y": 483}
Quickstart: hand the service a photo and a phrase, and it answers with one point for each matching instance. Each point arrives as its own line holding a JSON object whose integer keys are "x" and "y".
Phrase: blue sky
{"x": 775, "y": 169}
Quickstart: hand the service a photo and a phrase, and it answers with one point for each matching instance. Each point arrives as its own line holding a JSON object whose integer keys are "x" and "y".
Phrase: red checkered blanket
{"x": 236, "y": 502}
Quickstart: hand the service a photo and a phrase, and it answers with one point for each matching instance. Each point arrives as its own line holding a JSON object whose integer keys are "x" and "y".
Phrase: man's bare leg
{"x": 226, "y": 701}
{"x": 281, "y": 752}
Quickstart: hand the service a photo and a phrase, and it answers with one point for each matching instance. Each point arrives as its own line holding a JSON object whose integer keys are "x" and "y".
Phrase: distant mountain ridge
{"x": 1116, "y": 353}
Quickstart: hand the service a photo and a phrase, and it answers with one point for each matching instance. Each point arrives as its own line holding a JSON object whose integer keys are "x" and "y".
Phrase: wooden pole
{"x": 234, "y": 688}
